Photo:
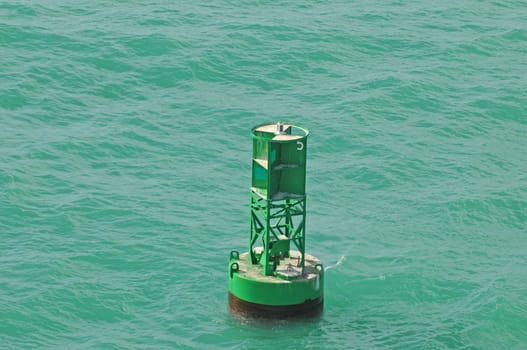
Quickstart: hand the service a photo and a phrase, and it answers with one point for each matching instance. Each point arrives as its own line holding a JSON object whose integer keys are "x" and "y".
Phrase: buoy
{"x": 276, "y": 278}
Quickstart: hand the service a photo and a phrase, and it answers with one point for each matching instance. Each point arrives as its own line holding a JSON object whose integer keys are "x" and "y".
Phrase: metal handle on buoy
{"x": 235, "y": 267}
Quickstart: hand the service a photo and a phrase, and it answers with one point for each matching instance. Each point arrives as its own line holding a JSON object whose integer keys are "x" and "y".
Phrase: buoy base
{"x": 290, "y": 292}
{"x": 308, "y": 309}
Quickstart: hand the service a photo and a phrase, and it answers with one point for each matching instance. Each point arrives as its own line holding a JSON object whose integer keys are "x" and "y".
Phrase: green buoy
{"x": 276, "y": 278}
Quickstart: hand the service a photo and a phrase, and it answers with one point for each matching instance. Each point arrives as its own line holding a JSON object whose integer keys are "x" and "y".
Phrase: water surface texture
{"x": 125, "y": 169}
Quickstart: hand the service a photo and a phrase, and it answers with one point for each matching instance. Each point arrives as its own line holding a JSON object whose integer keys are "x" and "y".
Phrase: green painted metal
{"x": 276, "y": 271}
{"x": 278, "y": 198}
{"x": 287, "y": 293}
{"x": 275, "y": 291}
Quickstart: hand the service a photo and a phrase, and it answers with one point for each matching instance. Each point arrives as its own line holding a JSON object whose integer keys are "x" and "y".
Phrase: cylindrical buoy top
{"x": 279, "y": 161}
{"x": 280, "y": 132}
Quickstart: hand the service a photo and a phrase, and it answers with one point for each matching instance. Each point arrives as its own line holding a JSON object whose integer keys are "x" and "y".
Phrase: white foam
{"x": 339, "y": 262}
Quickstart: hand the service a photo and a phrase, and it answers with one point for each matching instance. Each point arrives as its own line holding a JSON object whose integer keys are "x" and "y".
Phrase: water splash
{"x": 339, "y": 262}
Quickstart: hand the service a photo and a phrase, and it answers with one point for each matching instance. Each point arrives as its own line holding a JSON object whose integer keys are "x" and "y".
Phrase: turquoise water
{"x": 125, "y": 169}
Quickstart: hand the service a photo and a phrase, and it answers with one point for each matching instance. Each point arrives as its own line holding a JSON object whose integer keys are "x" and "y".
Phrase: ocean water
{"x": 125, "y": 169}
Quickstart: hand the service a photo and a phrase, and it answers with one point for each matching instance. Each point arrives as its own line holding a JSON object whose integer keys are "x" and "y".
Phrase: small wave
{"x": 339, "y": 262}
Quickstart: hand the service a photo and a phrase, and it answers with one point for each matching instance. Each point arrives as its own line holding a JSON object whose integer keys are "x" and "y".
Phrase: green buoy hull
{"x": 291, "y": 290}
{"x": 271, "y": 278}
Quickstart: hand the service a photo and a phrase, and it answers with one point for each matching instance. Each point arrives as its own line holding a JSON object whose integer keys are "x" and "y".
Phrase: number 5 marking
{"x": 300, "y": 145}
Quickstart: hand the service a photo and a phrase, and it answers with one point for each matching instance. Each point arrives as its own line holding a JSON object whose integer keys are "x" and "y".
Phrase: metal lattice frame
{"x": 275, "y": 224}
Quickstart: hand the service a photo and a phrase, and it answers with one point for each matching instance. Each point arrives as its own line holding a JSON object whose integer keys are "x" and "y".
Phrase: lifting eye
{"x": 235, "y": 255}
{"x": 235, "y": 267}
